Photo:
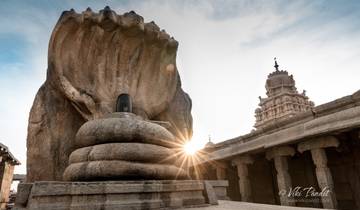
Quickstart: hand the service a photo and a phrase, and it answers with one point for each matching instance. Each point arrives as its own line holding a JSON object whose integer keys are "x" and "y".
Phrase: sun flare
{"x": 190, "y": 148}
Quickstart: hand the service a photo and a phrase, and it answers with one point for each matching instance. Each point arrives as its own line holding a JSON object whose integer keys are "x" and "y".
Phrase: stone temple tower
{"x": 283, "y": 100}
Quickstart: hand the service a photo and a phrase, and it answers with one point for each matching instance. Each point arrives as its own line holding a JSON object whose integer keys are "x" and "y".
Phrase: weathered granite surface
{"x": 118, "y": 169}
{"x": 123, "y": 146}
{"x": 136, "y": 152}
{"x": 210, "y": 193}
{"x": 92, "y": 59}
{"x": 220, "y": 188}
{"x": 125, "y": 128}
{"x": 113, "y": 195}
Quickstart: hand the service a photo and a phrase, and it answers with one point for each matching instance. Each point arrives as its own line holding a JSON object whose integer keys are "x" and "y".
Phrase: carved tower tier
{"x": 282, "y": 101}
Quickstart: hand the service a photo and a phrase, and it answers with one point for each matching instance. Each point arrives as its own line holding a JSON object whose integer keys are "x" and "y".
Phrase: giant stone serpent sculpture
{"x": 74, "y": 132}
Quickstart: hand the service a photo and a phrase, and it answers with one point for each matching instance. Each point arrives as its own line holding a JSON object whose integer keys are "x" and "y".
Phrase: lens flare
{"x": 190, "y": 148}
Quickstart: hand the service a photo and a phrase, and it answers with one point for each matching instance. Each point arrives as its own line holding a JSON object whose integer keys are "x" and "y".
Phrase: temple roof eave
{"x": 345, "y": 110}
{"x": 4, "y": 151}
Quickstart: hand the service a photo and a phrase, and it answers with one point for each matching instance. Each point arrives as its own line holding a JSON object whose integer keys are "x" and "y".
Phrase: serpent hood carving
{"x": 92, "y": 59}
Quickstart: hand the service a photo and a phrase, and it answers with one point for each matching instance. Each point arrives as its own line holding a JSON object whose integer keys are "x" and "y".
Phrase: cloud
{"x": 226, "y": 51}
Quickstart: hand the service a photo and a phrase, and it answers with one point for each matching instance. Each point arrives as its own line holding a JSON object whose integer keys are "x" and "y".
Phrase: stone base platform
{"x": 109, "y": 195}
{"x": 236, "y": 205}
{"x": 220, "y": 188}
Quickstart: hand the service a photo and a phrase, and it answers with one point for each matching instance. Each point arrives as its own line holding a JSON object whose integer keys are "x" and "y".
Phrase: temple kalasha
{"x": 298, "y": 155}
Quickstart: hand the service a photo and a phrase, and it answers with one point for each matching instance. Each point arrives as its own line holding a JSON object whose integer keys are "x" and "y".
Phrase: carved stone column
{"x": 279, "y": 154}
{"x": 220, "y": 171}
{"x": 244, "y": 182}
{"x": 6, "y": 175}
{"x": 323, "y": 174}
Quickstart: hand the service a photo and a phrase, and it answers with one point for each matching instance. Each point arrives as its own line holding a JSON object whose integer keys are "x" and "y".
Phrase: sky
{"x": 226, "y": 51}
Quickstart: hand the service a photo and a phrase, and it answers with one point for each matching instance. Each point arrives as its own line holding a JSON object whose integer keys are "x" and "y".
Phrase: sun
{"x": 190, "y": 148}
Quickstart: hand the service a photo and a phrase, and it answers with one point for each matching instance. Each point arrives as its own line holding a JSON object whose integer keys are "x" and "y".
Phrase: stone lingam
{"x": 106, "y": 128}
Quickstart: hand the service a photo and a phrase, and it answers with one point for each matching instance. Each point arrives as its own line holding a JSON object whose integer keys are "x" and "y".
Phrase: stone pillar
{"x": 323, "y": 174}
{"x": 279, "y": 154}
{"x": 244, "y": 182}
{"x": 6, "y": 175}
{"x": 198, "y": 172}
{"x": 220, "y": 171}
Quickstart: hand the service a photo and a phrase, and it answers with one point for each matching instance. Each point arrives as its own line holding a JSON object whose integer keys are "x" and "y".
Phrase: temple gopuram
{"x": 298, "y": 155}
{"x": 283, "y": 100}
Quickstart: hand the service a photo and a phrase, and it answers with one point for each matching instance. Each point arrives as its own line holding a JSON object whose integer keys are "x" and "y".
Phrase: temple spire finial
{"x": 276, "y": 65}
